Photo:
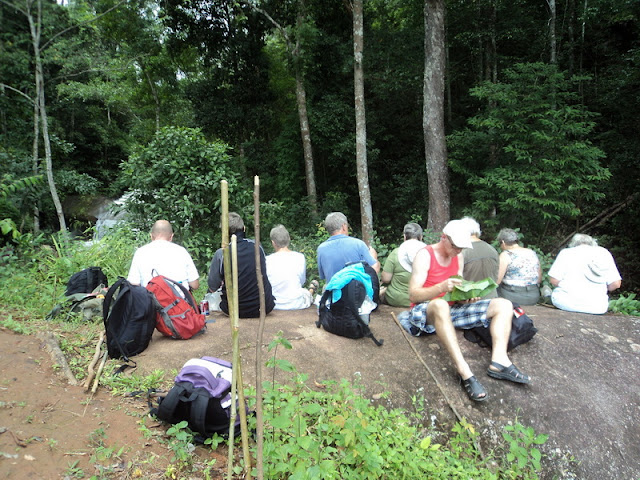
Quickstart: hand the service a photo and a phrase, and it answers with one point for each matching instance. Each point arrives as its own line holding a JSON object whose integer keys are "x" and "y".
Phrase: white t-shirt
{"x": 162, "y": 257}
{"x": 287, "y": 274}
{"x": 580, "y": 290}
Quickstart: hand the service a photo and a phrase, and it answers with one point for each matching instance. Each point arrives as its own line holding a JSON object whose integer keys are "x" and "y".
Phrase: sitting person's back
{"x": 481, "y": 260}
{"x": 519, "y": 272}
{"x": 340, "y": 249}
{"x": 396, "y": 272}
{"x": 163, "y": 257}
{"x": 583, "y": 274}
{"x": 287, "y": 273}
{"x": 247, "y": 287}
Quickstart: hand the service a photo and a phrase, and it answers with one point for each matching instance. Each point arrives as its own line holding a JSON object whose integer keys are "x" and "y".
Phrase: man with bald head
{"x": 163, "y": 257}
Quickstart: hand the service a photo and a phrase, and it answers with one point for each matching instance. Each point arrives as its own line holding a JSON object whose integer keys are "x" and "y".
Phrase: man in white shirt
{"x": 163, "y": 257}
{"x": 583, "y": 275}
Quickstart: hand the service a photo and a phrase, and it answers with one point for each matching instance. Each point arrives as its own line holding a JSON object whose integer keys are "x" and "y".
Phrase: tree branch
{"x": 599, "y": 219}
{"x": 4, "y": 85}
{"x": 62, "y": 32}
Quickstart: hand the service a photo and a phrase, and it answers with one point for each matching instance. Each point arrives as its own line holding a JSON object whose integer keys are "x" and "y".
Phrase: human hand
{"x": 449, "y": 284}
{"x": 470, "y": 300}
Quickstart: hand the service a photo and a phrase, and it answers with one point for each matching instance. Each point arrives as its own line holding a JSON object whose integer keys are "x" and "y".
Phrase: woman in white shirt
{"x": 287, "y": 273}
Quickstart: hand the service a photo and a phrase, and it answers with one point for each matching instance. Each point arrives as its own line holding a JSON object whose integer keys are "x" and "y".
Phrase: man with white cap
{"x": 431, "y": 279}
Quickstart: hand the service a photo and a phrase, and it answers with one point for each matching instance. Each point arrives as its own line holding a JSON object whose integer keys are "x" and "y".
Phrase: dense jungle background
{"x": 162, "y": 100}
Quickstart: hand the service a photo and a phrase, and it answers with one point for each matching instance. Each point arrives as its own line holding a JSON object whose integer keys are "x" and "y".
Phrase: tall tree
{"x": 362, "y": 168}
{"x": 32, "y": 10}
{"x": 294, "y": 49}
{"x": 433, "y": 114}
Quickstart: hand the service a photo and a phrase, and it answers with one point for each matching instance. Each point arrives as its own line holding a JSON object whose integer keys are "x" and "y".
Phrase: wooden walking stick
{"x": 100, "y": 369}
{"x": 92, "y": 365}
{"x": 259, "y": 419}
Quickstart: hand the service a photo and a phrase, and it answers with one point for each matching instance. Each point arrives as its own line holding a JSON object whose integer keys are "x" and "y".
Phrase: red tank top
{"x": 438, "y": 273}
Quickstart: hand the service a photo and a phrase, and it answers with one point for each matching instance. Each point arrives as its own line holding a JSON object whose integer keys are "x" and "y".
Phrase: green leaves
{"x": 468, "y": 289}
{"x": 528, "y": 155}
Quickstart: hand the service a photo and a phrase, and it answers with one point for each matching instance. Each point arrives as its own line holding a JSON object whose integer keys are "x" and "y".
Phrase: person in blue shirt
{"x": 340, "y": 249}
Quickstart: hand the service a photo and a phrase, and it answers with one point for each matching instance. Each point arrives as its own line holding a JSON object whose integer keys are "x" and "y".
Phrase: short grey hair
{"x": 582, "y": 239}
{"x": 334, "y": 221}
{"x": 508, "y": 236}
{"x": 474, "y": 226}
{"x": 412, "y": 230}
{"x": 280, "y": 236}
{"x": 236, "y": 224}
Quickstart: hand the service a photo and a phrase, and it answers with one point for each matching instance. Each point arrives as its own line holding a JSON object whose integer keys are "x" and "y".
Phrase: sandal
{"x": 510, "y": 373}
{"x": 313, "y": 286}
{"x": 474, "y": 389}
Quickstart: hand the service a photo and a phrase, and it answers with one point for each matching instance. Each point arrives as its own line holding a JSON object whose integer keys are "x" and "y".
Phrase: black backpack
{"x": 375, "y": 281}
{"x": 201, "y": 396}
{"x": 342, "y": 317}
{"x": 86, "y": 281}
{"x": 130, "y": 322}
{"x": 522, "y": 330}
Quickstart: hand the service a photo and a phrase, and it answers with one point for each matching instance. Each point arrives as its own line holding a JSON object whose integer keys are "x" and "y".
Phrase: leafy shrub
{"x": 177, "y": 177}
{"x": 626, "y": 305}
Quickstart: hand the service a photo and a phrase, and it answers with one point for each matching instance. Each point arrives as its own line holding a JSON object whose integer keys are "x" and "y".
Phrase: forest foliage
{"x": 162, "y": 100}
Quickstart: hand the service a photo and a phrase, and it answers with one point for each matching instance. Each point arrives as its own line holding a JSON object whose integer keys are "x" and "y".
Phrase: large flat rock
{"x": 585, "y": 391}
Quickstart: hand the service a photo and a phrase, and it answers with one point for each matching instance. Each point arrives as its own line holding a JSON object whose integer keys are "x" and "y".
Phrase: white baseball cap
{"x": 459, "y": 233}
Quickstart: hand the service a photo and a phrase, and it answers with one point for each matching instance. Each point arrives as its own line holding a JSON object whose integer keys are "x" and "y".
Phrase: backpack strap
{"x": 167, "y": 407}
{"x": 351, "y": 301}
{"x": 198, "y": 413}
{"x": 121, "y": 285}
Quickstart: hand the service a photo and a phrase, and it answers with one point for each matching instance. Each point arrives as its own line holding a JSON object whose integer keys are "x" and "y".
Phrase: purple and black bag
{"x": 201, "y": 396}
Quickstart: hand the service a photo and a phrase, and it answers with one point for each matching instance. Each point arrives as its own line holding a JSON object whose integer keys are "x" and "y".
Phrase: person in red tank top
{"x": 431, "y": 278}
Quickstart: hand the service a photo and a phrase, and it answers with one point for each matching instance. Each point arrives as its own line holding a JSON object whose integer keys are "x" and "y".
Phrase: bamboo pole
{"x": 96, "y": 356}
{"x": 224, "y": 223}
{"x": 231, "y": 279}
{"x": 259, "y": 419}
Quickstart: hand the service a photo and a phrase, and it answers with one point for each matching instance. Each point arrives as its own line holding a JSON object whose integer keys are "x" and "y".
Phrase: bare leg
{"x": 500, "y": 312}
{"x": 438, "y": 314}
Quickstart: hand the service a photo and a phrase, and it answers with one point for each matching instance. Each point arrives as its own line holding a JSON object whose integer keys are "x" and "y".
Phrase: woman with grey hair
{"x": 287, "y": 273}
{"x": 583, "y": 274}
{"x": 519, "y": 272}
{"x": 396, "y": 272}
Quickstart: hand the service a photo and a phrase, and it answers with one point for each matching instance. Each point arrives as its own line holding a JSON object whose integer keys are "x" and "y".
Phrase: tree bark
{"x": 301, "y": 100}
{"x": 553, "y": 55}
{"x": 366, "y": 214}
{"x": 35, "y": 27}
{"x": 35, "y": 164}
{"x": 433, "y": 114}
{"x": 305, "y": 133}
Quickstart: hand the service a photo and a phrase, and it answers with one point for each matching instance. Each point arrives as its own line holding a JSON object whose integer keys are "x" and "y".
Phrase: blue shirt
{"x": 338, "y": 250}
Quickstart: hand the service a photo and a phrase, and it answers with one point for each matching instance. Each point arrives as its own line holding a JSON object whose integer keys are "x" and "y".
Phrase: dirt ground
{"x": 585, "y": 394}
{"x": 51, "y": 430}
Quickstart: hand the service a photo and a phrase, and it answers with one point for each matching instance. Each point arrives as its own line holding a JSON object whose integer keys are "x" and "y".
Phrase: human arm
{"x": 215, "y": 280}
{"x": 554, "y": 281}
{"x": 385, "y": 277}
{"x": 134, "y": 277}
{"x": 418, "y": 293}
{"x": 614, "y": 285}
{"x": 503, "y": 263}
{"x": 374, "y": 255}
{"x": 194, "y": 284}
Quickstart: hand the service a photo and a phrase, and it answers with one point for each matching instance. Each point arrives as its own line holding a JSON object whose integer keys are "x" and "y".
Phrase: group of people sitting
{"x": 415, "y": 276}
{"x": 583, "y": 273}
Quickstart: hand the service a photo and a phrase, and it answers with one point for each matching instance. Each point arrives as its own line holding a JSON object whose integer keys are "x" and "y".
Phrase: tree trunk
{"x": 301, "y": 99}
{"x": 305, "y": 132}
{"x": 35, "y": 29}
{"x": 433, "y": 114}
{"x": 366, "y": 215}
{"x": 553, "y": 56}
{"x": 35, "y": 167}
